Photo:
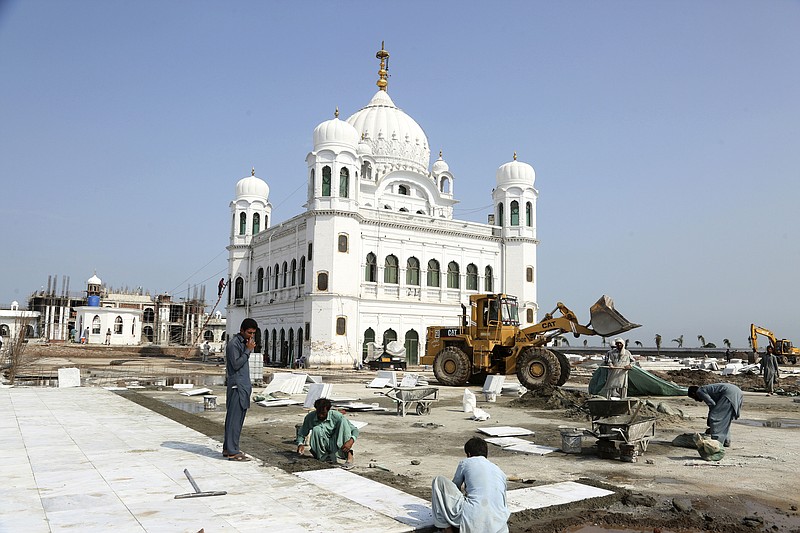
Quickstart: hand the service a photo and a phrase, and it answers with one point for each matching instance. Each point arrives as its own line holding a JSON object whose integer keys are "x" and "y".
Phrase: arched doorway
{"x": 412, "y": 347}
{"x": 369, "y": 337}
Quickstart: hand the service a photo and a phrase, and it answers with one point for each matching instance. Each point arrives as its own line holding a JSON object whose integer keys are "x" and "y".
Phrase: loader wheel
{"x": 565, "y": 368}
{"x": 451, "y": 367}
{"x": 538, "y": 367}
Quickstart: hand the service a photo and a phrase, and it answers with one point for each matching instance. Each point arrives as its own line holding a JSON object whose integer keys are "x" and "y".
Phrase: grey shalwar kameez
{"x": 237, "y": 399}
{"x": 769, "y": 368}
{"x": 724, "y": 402}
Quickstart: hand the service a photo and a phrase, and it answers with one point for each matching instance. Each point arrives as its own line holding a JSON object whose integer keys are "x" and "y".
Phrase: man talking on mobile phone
{"x": 237, "y": 400}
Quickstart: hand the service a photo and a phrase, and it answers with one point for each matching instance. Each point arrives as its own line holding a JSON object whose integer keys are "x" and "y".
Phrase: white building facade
{"x": 377, "y": 255}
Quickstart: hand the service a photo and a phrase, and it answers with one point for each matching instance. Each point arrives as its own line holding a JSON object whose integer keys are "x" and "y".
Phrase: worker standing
{"x": 618, "y": 360}
{"x": 237, "y": 400}
{"x": 769, "y": 369}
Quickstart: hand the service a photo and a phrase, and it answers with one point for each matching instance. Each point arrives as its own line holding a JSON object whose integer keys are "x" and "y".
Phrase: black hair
{"x": 248, "y": 323}
{"x": 475, "y": 447}
{"x": 693, "y": 391}
{"x": 322, "y": 402}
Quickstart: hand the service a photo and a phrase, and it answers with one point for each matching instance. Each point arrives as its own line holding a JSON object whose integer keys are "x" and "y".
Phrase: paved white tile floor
{"x": 85, "y": 459}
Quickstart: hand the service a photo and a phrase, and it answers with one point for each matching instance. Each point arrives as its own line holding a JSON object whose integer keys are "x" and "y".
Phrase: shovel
{"x": 197, "y": 492}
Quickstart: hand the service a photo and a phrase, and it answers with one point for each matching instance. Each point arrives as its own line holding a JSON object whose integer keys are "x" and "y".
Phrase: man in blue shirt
{"x": 483, "y": 508}
{"x": 724, "y": 402}
{"x": 237, "y": 400}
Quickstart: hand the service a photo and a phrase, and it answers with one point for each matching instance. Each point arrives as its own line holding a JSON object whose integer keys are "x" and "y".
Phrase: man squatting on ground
{"x": 237, "y": 399}
{"x": 483, "y": 509}
{"x": 332, "y": 434}
{"x": 724, "y": 402}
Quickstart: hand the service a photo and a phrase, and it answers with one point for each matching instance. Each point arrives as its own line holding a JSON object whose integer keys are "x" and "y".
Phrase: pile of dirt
{"x": 747, "y": 382}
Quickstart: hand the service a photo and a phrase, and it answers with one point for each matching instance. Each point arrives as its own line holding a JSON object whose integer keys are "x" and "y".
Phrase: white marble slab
{"x": 69, "y": 377}
{"x": 506, "y": 441}
{"x": 378, "y": 383}
{"x": 317, "y": 391}
{"x": 196, "y": 392}
{"x": 550, "y": 495}
{"x": 531, "y": 448}
{"x": 505, "y": 431}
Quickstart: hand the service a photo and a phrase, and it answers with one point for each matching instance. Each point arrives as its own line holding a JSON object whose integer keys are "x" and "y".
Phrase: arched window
{"x": 472, "y": 277}
{"x": 412, "y": 347}
{"x": 118, "y": 326}
{"x": 260, "y": 280}
{"x": 388, "y": 336}
{"x": 343, "y": 242}
{"x": 147, "y": 331}
{"x": 266, "y": 345}
{"x": 529, "y": 274}
{"x": 444, "y": 186}
{"x": 238, "y": 288}
{"x": 326, "y": 181}
{"x": 341, "y": 325}
{"x": 433, "y": 273}
{"x": 488, "y": 283}
{"x": 403, "y": 210}
{"x": 294, "y": 272}
{"x": 303, "y": 270}
{"x": 4, "y": 331}
{"x": 371, "y": 268}
{"x": 390, "y": 269}
{"x": 369, "y": 337}
{"x": 256, "y": 223}
{"x": 285, "y": 273}
{"x": 96, "y": 324}
{"x": 412, "y": 271}
{"x": 208, "y": 335}
{"x": 311, "y": 183}
{"x": 515, "y": 213}
{"x": 344, "y": 183}
{"x": 529, "y": 315}
{"x": 500, "y": 220}
{"x": 366, "y": 170}
{"x": 277, "y": 274}
{"x": 242, "y": 223}
{"x": 453, "y": 275}
{"x": 402, "y": 189}
{"x": 267, "y": 277}
{"x": 322, "y": 281}
{"x": 149, "y": 315}
{"x": 276, "y": 356}
{"x": 528, "y": 214}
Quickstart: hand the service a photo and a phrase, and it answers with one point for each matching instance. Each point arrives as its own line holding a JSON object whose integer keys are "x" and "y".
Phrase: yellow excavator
{"x": 490, "y": 341}
{"x": 782, "y": 348}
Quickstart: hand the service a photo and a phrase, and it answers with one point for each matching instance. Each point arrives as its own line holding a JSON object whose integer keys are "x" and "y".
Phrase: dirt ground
{"x": 668, "y": 488}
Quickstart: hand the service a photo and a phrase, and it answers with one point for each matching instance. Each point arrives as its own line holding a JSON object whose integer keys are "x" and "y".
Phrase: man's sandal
{"x": 238, "y": 457}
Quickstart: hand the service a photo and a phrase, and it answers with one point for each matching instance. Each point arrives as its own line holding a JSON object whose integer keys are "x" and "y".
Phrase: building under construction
{"x": 104, "y": 315}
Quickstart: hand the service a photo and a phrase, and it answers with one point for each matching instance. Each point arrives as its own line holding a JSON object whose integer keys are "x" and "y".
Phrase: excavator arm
{"x": 755, "y": 331}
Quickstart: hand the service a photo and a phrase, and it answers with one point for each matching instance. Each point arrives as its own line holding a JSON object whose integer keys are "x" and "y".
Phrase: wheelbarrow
{"x": 405, "y": 397}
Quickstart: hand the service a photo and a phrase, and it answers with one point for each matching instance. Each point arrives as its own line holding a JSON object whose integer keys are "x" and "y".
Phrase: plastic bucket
{"x": 571, "y": 440}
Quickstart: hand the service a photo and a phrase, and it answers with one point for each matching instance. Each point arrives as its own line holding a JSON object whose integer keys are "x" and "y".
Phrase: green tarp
{"x": 640, "y": 383}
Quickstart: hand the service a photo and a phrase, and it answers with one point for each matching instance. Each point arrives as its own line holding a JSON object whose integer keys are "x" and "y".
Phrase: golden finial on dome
{"x": 515, "y": 155}
{"x": 440, "y": 154}
{"x": 383, "y": 73}
{"x": 253, "y": 171}
{"x": 336, "y": 113}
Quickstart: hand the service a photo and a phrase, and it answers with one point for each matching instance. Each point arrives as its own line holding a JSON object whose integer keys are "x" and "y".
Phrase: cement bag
{"x": 710, "y": 449}
{"x": 469, "y": 401}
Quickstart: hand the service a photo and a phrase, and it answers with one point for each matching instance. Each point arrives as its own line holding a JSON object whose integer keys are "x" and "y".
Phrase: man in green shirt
{"x": 332, "y": 435}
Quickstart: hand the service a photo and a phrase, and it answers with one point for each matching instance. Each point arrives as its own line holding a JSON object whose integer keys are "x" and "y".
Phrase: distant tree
{"x": 727, "y": 343}
{"x": 709, "y": 345}
{"x": 658, "y": 343}
{"x": 702, "y": 340}
{"x": 585, "y": 343}
{"x": 604, "y": 341}
{"x": 637, "y": 343}
{"x": 679, "y": 340}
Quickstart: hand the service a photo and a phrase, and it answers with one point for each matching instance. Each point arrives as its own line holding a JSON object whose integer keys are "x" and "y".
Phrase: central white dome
{"x": 393, "y": 135}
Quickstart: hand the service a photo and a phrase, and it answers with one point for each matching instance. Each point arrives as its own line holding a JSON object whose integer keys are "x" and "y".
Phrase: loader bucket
{"x": 606, "y": 321}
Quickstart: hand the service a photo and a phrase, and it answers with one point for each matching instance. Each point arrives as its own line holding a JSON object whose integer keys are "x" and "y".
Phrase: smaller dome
{"x": 94, "y": 280}
{"x": 252, "y": 186}
{"x": 337, "y": 132}
{"x": 440, "y": 165}
{"x": 515, "y": 173}
{"x": 364, "y": 148}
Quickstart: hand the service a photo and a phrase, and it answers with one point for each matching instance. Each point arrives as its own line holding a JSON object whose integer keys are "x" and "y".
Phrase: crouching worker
{"x": 332, "y": 435}
{"x": 724, "y": 401}
{"x": 483, "y": 509}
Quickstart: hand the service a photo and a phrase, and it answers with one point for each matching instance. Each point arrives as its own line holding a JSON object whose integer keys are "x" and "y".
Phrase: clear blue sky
{"x": 665, "y": 138}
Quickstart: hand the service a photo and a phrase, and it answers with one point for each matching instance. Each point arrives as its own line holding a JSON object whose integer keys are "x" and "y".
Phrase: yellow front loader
{"x": 490, "y": 341}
